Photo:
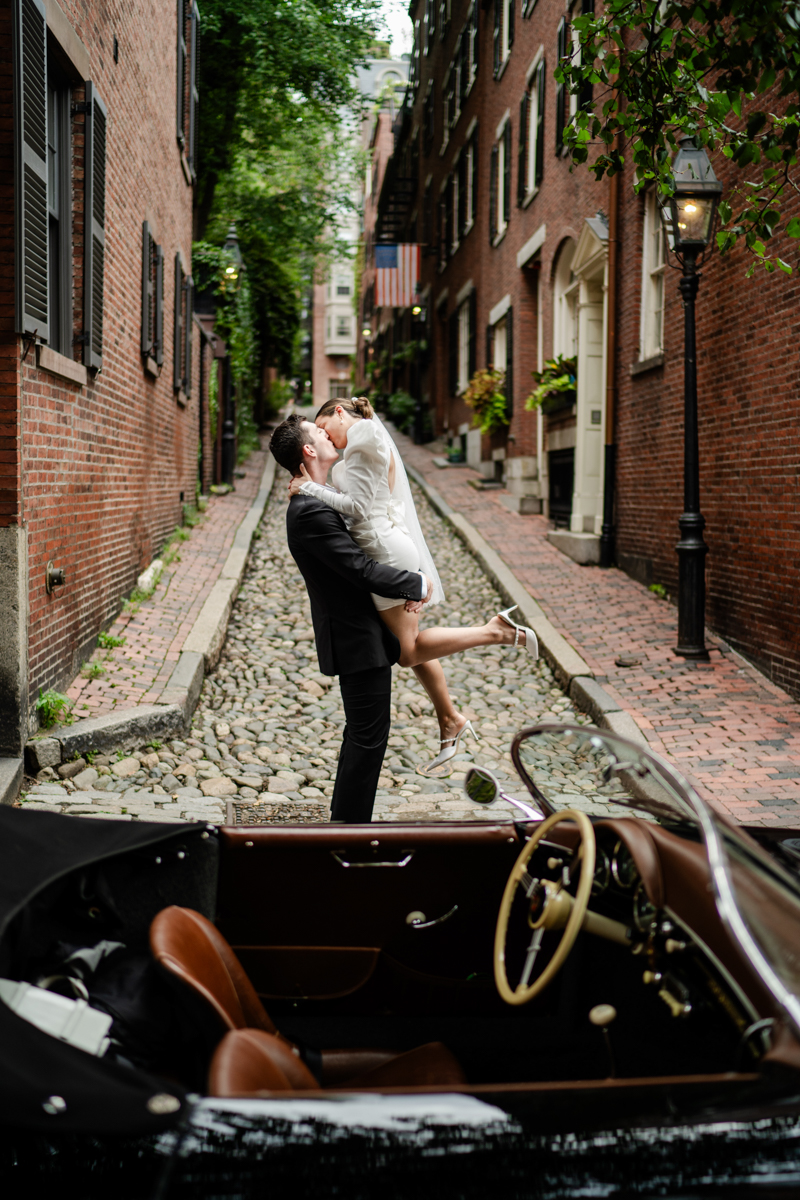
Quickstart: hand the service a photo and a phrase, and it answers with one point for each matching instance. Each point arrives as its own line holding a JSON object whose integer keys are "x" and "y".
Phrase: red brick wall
{"x": 748, "y": 377}
{"x": 103, "y": 466}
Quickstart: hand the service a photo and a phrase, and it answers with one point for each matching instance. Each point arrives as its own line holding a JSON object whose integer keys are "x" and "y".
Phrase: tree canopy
{"x": 726, "y": 72}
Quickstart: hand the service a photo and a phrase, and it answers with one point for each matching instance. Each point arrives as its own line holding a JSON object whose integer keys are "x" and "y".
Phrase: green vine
{"x": 485, "y": 395}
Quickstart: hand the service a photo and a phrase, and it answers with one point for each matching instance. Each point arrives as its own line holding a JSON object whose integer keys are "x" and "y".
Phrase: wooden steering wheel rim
{"x": 587, "y": 849}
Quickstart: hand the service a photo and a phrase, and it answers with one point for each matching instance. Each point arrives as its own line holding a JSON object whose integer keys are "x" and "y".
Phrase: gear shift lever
{"x": 602, "y": 1015}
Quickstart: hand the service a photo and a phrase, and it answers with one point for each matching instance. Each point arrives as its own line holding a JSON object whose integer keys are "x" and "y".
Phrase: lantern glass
{"x": 692, "y": 219}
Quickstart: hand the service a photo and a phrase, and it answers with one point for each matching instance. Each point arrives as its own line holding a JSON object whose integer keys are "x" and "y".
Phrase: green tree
{"x": 726, "y": 72}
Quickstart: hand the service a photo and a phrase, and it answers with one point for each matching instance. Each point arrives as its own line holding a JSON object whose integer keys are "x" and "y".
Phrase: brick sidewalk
{"x": 138, "y": 671}
{"x": 735, "y": 734}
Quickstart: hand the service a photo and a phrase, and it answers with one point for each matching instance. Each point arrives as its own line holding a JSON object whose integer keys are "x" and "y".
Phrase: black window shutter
{"x": 511, "y": 14}
{"x": 194, "y": 50}
{"x": 509, "y": 362}
{"x": 180, "y": 98}
{"x": 493, "y": 195}
{"x": 188, "y": 288}
{"x": 473, "y": 333}
{"x": 561, "y": 50}
{"x": 158, "y": 333}
{"x": 496, "y": 38}
{"x": 507, "y": 173}
{"x": 177, "y": 333}
{"x": 489, "y": 347}
{"x": 443, "y": 229}
{"x": 449, "y": 235}
{"x": 30, "y": 158}
{"x": 462, "y": 194}
{"x": 148, "y": 290}
{"x": 475, "y": 42}
{"x": 94, "y": 230}
{"x": 586, "y": 93}
{"x": 474, "y": 213}
{"x": 540, "y": 84}
{"x": 452, "y": 349}
{"x": 523, "y": 147}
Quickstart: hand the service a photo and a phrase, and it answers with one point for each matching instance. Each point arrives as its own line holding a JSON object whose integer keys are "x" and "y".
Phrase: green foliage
{"x": 659, "y": 590}
{"x": 278, "y": 396}
{"x": 559, "y": 377}
{"x": 409, "y": 351}
{"x": 485, "y": 395}
{"x": 93, "y": 670}
{"x": 400, "y": 409}
{"x": 109, "y": 641}
{"x": 726, "y": 72}
{"x": 52, "y": 707}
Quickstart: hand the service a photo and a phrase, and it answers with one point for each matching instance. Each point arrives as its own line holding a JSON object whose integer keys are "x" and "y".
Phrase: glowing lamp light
{"x": 689, "y": 212}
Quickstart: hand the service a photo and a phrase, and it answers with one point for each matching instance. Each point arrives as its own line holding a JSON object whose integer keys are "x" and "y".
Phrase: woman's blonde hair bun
{"x": 362, "y": 406}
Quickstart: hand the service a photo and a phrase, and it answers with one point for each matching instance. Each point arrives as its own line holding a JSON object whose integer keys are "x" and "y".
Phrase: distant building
{"x": 335, "y": 316}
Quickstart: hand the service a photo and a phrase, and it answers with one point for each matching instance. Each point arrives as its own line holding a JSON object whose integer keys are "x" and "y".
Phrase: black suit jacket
{"x": 339, "y": 577}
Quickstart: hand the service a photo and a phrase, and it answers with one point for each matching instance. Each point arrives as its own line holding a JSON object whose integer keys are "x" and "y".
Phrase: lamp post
{"x": 233, "y": 274}
{"x": 689, "y": 220}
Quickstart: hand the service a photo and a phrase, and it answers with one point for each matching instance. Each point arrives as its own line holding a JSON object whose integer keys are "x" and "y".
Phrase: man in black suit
{"x": 352, "y": 641}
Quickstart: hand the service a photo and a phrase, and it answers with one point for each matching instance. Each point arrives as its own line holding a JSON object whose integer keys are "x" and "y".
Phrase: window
{"x": 428, "y": 120}
{"x": 430, "y": 25}
{"x": 343, "y": 327}
{"x": 462, "y": 345}
{"x": 565, "y": 300}
{"x": 338, "y": 390}
{"x": 499, "y": 353}
{"x": 182, "y": 330}
{"x": 43, "y": 194}
{"x": 651, "y": 338}
{"x": 531, "y": 136}
{"x": 443, "y": 228}
{"x": 342, "y": 286}
{"x": 59, "y": 213}
{"x": 445, "y": 7}
{"x": 186, "y": 113}
{"x": 500, "y": 184}
{"x": 467, "y": 186}
{"x": 448, "y": 102}
{"x": 561, "y": 111}
{"x": 152, "y": 299}
{"x": 503, "y": 34}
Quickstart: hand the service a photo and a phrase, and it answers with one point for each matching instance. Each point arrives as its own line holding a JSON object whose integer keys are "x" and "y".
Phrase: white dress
{"x": 383, "y": 524}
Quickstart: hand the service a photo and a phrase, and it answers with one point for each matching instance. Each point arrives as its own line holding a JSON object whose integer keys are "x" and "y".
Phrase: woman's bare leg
{"x": 432, "y": 678}
{"x": 439, "y": 642}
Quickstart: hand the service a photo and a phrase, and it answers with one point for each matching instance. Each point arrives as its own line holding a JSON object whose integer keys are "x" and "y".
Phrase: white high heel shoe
{"x": 531, "y": 644}
{"x": 450, "y": 750}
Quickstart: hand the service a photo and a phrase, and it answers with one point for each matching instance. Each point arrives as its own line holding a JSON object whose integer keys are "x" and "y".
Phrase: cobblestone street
{"x": 267, "y": 730}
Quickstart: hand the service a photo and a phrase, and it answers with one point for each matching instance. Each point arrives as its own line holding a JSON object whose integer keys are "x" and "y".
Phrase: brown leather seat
{"x": 191, "y": 949}
{"x": 248, "y": 1062}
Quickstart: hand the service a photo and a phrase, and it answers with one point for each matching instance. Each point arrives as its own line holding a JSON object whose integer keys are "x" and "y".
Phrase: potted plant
{"x": 555, "y": 385}
{"x": 485, "y": 395}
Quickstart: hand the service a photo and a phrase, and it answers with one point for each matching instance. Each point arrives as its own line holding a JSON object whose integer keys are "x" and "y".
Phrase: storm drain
{"x": 277, "y": 814}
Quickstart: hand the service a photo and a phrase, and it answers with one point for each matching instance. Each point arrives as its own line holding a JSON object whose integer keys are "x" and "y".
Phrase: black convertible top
{"x": 92, "y": 1094}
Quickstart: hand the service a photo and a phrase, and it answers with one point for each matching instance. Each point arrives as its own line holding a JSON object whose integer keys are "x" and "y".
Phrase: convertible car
{"x": 599, "y": 995}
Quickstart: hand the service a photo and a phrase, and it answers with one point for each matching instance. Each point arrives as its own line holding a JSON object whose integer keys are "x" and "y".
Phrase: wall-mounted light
{"x": 54, "y": 577}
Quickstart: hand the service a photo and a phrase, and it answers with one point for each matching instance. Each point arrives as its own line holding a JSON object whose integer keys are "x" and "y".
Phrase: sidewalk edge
{"x": 572, "y": 671}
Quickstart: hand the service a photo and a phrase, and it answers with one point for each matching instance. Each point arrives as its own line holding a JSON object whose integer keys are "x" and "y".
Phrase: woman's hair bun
{"x": 362, "y": 406}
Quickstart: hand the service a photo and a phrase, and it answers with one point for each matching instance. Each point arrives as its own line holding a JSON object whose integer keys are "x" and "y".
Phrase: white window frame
{"x": 502, "y": 223}
{"x": 500, "y": 343}
{"x": 454, "y": 199}
{"x": 469, "y": 179}
{"x": 575, "y": 40}
{"x": 343, "y": 326}
{"x": 446, "y": 109}
{"x": 565, "y": 305}
{"x": 531, "y": 149}
{"x": 463, "y": 346}
{"x": 651, "y": 324}
{"x": 505, "y": 49}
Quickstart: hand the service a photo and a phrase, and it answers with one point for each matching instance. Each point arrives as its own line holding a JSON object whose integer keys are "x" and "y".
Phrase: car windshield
{"x": 602, "y": 775}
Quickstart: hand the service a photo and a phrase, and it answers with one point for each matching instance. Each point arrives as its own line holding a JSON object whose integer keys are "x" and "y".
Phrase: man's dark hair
{"x": 288, "y": 441}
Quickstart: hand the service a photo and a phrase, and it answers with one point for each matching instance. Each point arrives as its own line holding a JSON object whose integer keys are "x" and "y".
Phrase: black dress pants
{"x": 366, "y": 696}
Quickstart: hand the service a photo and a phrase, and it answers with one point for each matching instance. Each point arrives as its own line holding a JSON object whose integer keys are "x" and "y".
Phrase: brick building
{"x": 524, "y": 260}
{"x": 102, "y": 359}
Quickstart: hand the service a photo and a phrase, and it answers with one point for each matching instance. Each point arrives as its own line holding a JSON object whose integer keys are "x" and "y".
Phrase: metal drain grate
{"x": 279, "y": 813}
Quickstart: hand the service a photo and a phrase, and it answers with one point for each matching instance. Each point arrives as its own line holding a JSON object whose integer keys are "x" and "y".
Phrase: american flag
{"x": 397, "y": 269}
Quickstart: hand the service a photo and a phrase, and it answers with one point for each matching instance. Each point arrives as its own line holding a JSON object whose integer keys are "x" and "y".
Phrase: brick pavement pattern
{"x": 735, "y": 734}
{"x": 138, "y": 671}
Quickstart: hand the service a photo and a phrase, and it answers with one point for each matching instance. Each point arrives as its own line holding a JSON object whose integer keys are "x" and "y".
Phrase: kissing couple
{"x": 369, "y": 574}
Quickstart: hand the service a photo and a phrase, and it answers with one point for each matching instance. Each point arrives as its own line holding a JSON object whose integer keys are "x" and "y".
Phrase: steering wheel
{"x": 551, "y": 907}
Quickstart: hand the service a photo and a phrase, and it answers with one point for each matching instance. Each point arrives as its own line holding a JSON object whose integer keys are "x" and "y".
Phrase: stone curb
{"x": 573, "y": 673}
{"x": 10, "y": 779}
{"x": 130, "y": 727}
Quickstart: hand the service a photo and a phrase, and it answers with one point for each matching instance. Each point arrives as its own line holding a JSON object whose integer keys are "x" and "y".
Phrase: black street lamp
{"x": 689, "y": 220}
{"x": 233, "y": 274}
